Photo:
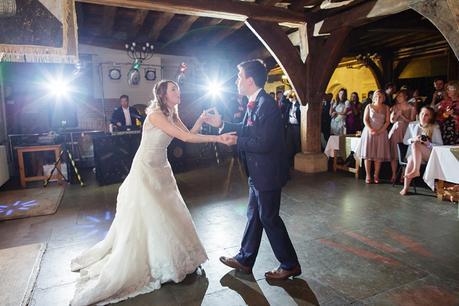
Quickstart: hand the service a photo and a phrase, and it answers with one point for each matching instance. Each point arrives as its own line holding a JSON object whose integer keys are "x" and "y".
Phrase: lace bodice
{"x": 154, "y": 138}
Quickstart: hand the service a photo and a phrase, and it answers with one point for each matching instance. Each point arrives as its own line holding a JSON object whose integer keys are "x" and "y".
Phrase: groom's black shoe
{"x": 233, "y": 263}
{"x": 281, "y": 274}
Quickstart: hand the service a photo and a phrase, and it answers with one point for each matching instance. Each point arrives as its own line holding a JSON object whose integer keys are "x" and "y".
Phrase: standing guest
{"x": 374, "y": 144}
{"x": 279, "y": 96}
{"x": 326, "y": 119}
{"x": 367, "y": 101}
{"x": 389, "y": 91}
{"x": 421, "y": 136}
{"x": 439, "y": 93}
{"x": 338, "y": 111}
{"x": 353, "y": 115}
{"x": 448, "y": 114}
{"x": 292, "y": 120}
{"x": 402, "y": 113}
{"x": 239, "y": 109}
{"x": 417, "y": 101}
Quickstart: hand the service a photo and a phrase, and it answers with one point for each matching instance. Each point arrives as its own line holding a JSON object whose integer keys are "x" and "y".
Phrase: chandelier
{"x": 138, "y": 53}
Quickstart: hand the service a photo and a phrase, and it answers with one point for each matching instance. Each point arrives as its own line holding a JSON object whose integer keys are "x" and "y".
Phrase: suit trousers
{"x": 263, "y": 213}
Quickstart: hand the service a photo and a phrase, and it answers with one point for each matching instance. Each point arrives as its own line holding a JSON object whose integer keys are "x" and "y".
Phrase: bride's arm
{"x": 196, "y": 127}
{"x": 160, "y": 121}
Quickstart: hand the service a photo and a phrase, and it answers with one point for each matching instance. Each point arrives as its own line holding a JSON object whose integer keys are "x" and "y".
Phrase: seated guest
{"x": 374, "y": 143}
{"x": 448, "y": 114}
{"x": 338, "y": 111}
{"x": 420, "y": 136}
{"x": 402, "y": 113}
{"x": 125, "y": 116}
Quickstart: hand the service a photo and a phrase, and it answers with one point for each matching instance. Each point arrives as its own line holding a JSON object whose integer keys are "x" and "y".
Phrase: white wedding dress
{"x": 152, "y": 239}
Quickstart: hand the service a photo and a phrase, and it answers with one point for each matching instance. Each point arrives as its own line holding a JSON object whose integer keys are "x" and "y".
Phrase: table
{"x": 21, "y": 150}
{"x": 4, "y": 172}
{"x": 341, "y": 146}
{"x": 442, "y": 166}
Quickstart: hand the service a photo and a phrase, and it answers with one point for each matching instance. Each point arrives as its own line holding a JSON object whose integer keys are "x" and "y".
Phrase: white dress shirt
{"x": 414, "y": 129}
{"x": 127, "y": 116}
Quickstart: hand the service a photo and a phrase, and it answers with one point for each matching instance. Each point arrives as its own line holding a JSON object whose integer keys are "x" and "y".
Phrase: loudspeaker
{"x": 113, "y": 157}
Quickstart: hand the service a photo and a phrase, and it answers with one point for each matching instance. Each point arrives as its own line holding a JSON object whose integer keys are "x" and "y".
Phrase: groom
{"x": 261, "y": 145}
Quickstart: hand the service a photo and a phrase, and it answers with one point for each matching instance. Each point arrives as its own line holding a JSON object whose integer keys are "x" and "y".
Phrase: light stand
{"x": 65, "y": 153}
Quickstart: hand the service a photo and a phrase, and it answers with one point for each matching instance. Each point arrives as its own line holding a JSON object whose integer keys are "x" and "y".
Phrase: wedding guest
{"x": 421, "y": 136}
{"x": 353, "y": 115}
{"x": 448, "y": 114}
{"x": 367, "y": 101}
{"x": 439, "y": 93}
{"x": 338, "y": 111}
{"x": 374, "y": 143}
{"x": 402, "y": 113}
{"x": 390, "y": 88}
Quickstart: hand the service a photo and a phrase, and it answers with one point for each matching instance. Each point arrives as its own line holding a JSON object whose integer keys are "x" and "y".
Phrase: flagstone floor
{"x": 357, "y": 244}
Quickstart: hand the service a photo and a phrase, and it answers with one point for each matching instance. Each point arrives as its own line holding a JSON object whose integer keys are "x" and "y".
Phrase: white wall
{"x": 103, "y": 59}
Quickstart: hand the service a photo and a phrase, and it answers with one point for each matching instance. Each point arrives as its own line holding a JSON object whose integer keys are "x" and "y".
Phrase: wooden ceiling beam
{"x": 225, "y": 9}
{"x": 297, "y": 5}
{"x": 183, "y": 27}
{"x": 351, "y": 18}
{"x": 224, "y": 33}
{"x": 158, "y": 25}
{"x": 108, "y": 20}
{"x": 268, "y": 2}
{"x": 137, "y": 23}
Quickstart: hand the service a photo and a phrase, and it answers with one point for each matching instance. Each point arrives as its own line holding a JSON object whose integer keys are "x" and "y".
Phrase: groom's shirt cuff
{"x": 221, "y": 129}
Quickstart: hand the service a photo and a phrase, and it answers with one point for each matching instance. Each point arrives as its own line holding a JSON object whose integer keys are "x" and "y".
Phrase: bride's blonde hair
{"x": 159, "y": 100}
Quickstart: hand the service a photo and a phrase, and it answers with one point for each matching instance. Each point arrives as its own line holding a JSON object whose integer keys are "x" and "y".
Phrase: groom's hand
{"x": 213, "y": 118}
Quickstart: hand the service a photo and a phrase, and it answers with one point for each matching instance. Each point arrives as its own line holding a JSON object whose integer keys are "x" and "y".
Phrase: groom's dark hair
{"x": 257, "y": 70}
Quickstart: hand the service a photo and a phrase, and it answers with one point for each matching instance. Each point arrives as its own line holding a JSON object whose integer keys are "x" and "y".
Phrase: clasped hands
{"x": 213, "y": 118}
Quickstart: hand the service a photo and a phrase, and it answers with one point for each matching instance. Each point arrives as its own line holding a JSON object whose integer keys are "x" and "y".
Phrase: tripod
{"x": 64, "y": 152}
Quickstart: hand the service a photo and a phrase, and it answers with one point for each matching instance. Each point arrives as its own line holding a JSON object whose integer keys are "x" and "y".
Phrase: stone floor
{"x": 357, "y": 243}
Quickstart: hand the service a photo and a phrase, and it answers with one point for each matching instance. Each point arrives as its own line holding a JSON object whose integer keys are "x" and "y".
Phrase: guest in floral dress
{"x": 338, "y": 111}
{"x": 448, "y": 114}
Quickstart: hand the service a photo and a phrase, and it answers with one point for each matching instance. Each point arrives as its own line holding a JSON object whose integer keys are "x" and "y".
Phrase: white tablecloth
{"x": 4, "y": 172}
{"x": 333, "y": 144}
{"x": 442, "y": 165}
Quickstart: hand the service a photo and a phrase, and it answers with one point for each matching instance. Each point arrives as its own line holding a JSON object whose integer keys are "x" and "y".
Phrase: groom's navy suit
{"x": 262, "y": 150}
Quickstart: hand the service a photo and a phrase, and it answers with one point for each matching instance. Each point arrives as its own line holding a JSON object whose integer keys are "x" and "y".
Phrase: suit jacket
{"x": 118, "y": 116}
{"x": 261, "y": 146}
{"x": 286, "y": 107}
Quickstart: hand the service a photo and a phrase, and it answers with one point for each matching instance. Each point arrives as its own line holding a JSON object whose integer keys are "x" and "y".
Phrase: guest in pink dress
{"x": 402, "y": 113}
{"x": 374, "y": 143}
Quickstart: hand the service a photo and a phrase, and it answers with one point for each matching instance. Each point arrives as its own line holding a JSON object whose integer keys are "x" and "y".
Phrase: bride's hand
{"x": 212, "y": 117}
{"x": 228, "y": 139}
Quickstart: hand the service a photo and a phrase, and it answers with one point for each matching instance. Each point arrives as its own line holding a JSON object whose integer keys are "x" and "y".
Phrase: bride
{"x": 152, "y": 239}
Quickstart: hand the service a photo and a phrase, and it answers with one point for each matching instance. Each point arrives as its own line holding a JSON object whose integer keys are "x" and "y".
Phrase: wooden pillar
{"x": 309, "y": 72}
{"x": 387, "y": 61}
{"x": 453, "y": 66}
{"x": 443, "y": 15}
